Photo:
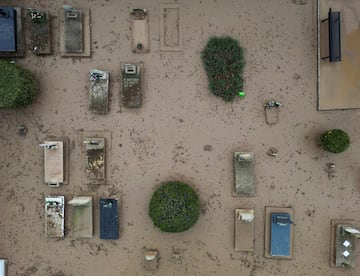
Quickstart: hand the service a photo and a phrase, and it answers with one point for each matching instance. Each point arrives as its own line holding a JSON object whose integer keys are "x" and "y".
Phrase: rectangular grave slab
{"x": 99, "y": 91}
{"x": 244, "y": 229}
{"x": 109, "y": 219}
{"x": 140, "y": 39}
{"x": 334, "y": 238}
{"x": 279, "y": 232}
{"x": 74, "y": 32}
{"x": 19, "y": 36}
{"x": 170, "y": 28}
{"x": 82, "y": 217}
{"x": 132, "y": 84}
{"x": 7, "y": 29}
{"x": 280, "y": 235}
{"x": 54, "y": 216}
{"x": 54, "y": 162}
{"x": 39, "y": 31}
{"x": 151, "y": 259}
{"x": 95, "y": 158}
{"x": 244, "y": 175}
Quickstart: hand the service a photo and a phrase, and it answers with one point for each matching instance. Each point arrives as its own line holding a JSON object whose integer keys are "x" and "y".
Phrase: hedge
{"x": 335, "y": 140}
{"x": 224, "y": 61}
{"x": 174, "y": 207}
{"x": 17, "y": 86}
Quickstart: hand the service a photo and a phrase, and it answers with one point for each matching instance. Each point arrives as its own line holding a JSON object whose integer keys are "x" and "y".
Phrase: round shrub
{"x": 17, "y": 86}
{"x": 335, "y": 140}
{"x": 223, "y": 59}
{"x": 174, "y": 207}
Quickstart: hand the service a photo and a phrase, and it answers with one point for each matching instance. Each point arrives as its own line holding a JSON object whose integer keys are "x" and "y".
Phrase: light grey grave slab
{"x": 74, "y": 32}
{"x": 99, "y": 91}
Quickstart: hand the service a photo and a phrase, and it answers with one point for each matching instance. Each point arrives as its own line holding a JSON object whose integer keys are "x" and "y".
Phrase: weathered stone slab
{"x": 170, "y": 28}
{"x": 99, "y": 91}
{"x": 82, "y": 217}
{"x": 39, "y": 23}
{"x": 132, "y": 84}
{"x": 244, "y": 177}
{"x": 244, "y": 229}
{"x": 95, "y": 158}
{"x": 74, "y": 32}
{"x": 54, "y": 216}
{"x": 20, "y": 41}
{"x": 140, "y": 40}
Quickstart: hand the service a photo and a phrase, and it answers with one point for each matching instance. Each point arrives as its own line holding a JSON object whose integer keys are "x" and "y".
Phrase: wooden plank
{"x": 244, "y": 230}
{"x": 268, "y": 211}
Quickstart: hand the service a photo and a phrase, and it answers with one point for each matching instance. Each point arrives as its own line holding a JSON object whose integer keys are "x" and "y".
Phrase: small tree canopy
{"x": 174, "y": 207}
{"x": 17, "y": 86}
{"x": 335, "y": 140}
{"x": 223, "y": 59}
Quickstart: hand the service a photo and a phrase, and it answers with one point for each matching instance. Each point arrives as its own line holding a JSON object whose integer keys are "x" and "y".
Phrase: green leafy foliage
{"x": 17, "y": 86}
{"x": 335, "y": 140}
{"x": 174, "y": 207}
{"x": 223, "y": 59}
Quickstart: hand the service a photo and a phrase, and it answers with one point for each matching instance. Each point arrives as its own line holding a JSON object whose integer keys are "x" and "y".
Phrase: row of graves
{"x": 56, "y": 168}
{"x": 279, "y": 222}
{"x": 21, "y": 28}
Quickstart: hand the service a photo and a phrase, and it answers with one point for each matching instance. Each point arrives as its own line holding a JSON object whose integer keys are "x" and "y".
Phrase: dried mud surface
{"x": 181, "y": 132}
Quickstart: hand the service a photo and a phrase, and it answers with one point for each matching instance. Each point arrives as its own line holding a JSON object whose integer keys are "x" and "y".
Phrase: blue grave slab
{"x": 109, "y": 219}
{"x": 7, "y": 29}
{"x": 280, "y": 234}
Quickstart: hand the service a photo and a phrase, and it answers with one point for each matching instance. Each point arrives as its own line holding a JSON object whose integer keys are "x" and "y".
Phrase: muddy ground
{"x": 181, "y": 132}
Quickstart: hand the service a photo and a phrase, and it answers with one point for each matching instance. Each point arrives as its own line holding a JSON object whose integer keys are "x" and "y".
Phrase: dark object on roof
{"x": 109, "y": 223}
{"x": 334, "y": 36}
{"x": 7, "y": 29}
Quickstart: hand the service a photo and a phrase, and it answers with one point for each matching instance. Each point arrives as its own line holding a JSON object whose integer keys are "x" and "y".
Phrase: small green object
{"x": 241, "y": 94}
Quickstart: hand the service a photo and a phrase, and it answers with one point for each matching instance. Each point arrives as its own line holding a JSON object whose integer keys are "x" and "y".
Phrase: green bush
{"x": 174, "y": 207}
{"x": 335, "y": 140}
{"x": 223, "y": 59}
{"x": 17, "y": 86}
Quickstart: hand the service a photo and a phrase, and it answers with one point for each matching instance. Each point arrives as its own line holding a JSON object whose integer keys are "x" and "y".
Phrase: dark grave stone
{"x": 7, "y": 29}
{"x": 40, "y": 31}
{"x": 131, "y": 82}
{"x": 73, "y": 30}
